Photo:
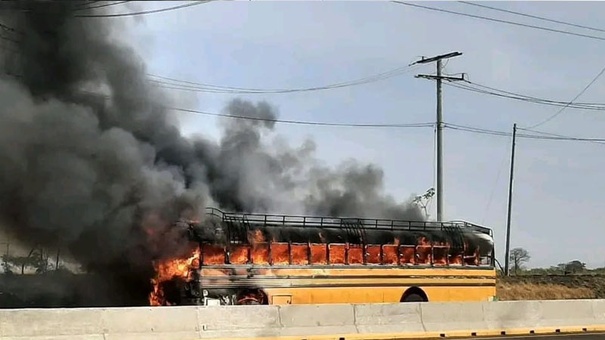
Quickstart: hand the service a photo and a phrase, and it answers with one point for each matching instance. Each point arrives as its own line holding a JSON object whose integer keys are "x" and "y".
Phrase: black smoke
{"x": 92, "y": 161}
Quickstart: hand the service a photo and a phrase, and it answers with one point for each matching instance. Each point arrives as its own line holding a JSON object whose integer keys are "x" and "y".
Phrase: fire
{"x": 260, "y": 250}
{"x": 169, "y": 269}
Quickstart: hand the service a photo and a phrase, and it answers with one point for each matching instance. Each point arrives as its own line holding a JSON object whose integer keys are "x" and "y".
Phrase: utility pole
{"x": 510, "y": 203}
{"x": 439, "y": 78}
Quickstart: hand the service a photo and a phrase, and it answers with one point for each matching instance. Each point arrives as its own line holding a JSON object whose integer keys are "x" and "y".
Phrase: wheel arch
{"x": 414, "y": 294}
{"x": 247, "y": 295}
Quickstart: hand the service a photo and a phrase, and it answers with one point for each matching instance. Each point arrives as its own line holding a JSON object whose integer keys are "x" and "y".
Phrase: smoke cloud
{"x": 91, "y": 161}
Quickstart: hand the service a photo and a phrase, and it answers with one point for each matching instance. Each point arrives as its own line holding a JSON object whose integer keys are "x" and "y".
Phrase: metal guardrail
{"x": 270, "y": 220}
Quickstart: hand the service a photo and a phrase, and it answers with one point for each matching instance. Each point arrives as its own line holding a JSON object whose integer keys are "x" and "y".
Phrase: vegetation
{"x": 37, "y": 261}
{"x": 518, "y": 257}
{"x": 571, "y": 280}
{"x": 541, "y": 291}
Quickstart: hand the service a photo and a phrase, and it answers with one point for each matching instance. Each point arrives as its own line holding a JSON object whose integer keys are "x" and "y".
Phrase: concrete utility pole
{"x": 439, "y": 122}
{"x": 510, "y": 203}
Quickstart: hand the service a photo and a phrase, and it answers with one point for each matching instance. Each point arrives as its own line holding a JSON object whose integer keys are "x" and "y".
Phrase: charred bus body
{"x": 280, "y": 259}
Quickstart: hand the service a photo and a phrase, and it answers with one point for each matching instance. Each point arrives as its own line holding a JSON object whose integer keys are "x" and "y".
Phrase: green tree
{"x": 575, "y": 267}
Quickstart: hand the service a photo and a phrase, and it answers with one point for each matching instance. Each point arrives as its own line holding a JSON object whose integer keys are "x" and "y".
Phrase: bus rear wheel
{"x": 413, "y": 298}
{"x": 414, "y": 294}
{"x": 251, "y": 297}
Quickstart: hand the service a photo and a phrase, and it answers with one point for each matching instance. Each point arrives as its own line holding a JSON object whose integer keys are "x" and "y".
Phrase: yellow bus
{"x": 283, "y": 259}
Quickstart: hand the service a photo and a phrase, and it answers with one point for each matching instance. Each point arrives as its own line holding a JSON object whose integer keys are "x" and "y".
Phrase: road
{"x": 583, "y": 336}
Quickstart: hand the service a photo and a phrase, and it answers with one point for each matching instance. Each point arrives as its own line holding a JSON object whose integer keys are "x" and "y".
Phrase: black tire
{"x": 413, "y": 298}
{"x": 253, "y": 303}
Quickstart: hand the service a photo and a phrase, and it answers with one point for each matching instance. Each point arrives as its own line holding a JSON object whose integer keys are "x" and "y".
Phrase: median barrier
{"x": 310, "y": 322}
{"x": 566, "y": 313}
{"x": 100, "y": 323}
{"x": 317, "y": 320}
{"x": 53, "y": 324}
{"x": 444, "y": 317}
{"x": 511, "y": 315}
{"x": 388, "y": 318}
{"x": 238, "y": 322}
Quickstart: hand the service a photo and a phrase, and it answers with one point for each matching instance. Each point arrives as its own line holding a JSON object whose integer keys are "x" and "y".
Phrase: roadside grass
{"x": 541, "y": 291}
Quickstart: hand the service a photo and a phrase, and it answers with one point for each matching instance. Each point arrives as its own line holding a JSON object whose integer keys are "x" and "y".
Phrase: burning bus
{"x": 239, "y": 259}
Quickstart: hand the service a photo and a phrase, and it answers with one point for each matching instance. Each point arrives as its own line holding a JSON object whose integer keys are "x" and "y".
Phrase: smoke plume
{"x": 91, "y": 161}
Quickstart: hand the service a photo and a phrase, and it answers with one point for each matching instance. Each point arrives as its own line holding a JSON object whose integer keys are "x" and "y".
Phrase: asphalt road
{"x": 583, "y": 336}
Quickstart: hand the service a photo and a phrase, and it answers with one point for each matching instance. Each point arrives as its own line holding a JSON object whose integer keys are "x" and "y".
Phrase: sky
{"x": 286, "y": 44}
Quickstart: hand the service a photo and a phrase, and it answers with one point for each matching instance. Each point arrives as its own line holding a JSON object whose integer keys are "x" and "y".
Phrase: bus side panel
{"x": 377, "y": 294}
{"x": 360, "y": 285}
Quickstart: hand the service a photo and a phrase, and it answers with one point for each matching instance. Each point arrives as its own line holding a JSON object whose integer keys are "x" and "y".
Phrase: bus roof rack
{"x": 276, "y": 220}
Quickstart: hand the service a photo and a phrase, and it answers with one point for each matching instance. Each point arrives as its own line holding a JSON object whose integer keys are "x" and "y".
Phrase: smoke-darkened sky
{"x": 289, "y": 44}
{"x": 93, "y": 161}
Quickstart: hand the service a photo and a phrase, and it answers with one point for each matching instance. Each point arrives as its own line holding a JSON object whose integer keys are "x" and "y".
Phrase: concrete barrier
{"x": 378, "y": 321}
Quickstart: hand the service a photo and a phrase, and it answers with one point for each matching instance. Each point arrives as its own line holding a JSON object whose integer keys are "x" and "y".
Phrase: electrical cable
{"x": 571, "y": 102}
{"x": 520, "y": 135}
{"x": 483, "y": 89}
{"x": 532, "y": 16}
{"x": 201, "y": 87}
{"x": 116, "y": 15}
{"x": 302, "y": 122}
{"x": 184, "y": 85}
{"x": 198, "y": 86}
{"x": 463, "y": 128}
{"x": 551, "y": 134}
{"x": 102, "y": 5}
{"x": 500, "y": 20}
{"x": 493, "y": 191}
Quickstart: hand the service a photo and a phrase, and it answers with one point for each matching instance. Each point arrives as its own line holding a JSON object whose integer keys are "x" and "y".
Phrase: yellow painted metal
{"x": 359, "y": 285}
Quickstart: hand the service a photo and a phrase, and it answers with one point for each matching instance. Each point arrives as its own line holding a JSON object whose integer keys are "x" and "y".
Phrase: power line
{"x": 547, "y": 136}
{"x": 101, "y": 6}
{"x": 571, "y": 102}
{"x": 185, "y": 85}
{"x": 483, "y": 89}
{"x": 552, "y": 134}
{"x": 493, "y": 191}
{"x": 463, "y": 128}
{"x": 302, "y": 122}
{"x": 172, "y": 83}
{"x": 288, "y": 121}
{"x": 143, "y": 12}
{"x": 532, "y": 16}
{"x": 75, "y": 6}
{"x": 500, "y": 20}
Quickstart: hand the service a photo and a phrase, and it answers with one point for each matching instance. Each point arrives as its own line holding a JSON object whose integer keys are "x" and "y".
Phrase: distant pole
{"x": 510, "y": 203}
{"x": 439, "y": 121}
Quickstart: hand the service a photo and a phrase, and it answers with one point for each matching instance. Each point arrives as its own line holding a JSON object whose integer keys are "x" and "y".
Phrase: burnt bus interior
{"x": 236, "y": 240}
{"x": 281, "y": 240}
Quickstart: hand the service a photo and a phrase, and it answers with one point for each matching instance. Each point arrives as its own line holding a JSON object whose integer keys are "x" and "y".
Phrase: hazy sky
{"x": 558, "y": 201}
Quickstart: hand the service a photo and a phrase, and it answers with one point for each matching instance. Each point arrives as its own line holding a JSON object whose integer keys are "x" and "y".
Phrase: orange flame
{"x": 260, "y": 251}
{"x": 167, "y": 270}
